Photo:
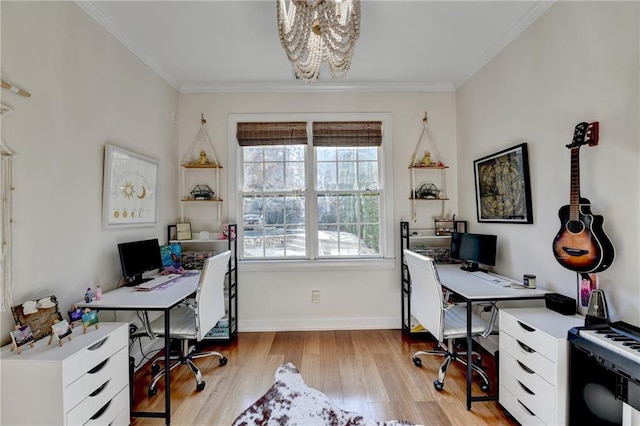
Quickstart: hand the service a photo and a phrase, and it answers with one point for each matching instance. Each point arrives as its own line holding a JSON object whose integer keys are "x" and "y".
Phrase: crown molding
{"x": 315, "y": 87}
{"x": 523, "y": 23}
{"x": 96, "y": 13}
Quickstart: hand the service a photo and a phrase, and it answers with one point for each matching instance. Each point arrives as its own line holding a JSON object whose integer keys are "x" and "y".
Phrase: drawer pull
{"x": 526, "y": 327}
{"x": 98, "y": 344}
{"x": 98, "y": 367}
{"x": 525, "y": 347}
{"x": 531, "y": 413}
{"x": 526, "y": 389}
{"x": 101, "y": 411}
{"x": 104, "y": 385}
{"x": 525, "y": 368}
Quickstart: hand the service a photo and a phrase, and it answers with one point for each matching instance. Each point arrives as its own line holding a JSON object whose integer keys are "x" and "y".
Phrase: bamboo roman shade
{"x": 274, "y": 133}
{"x": 347, "y": 133}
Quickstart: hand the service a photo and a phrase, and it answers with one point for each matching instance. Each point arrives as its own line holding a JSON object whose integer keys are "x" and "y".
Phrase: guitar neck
{"x": 574, "y": 197}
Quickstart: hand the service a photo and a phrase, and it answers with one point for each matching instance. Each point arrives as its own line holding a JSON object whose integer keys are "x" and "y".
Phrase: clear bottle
{"x": 98, "y": 292}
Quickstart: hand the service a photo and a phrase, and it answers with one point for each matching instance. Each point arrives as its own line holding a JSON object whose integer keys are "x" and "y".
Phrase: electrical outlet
{"x": 315, "y": 296}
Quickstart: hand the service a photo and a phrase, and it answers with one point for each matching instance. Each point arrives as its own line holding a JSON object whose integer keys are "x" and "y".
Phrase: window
{"x": 310, "y": 189}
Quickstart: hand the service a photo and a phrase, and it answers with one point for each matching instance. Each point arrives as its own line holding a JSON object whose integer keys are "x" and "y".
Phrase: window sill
{"x": 314, "y": 265}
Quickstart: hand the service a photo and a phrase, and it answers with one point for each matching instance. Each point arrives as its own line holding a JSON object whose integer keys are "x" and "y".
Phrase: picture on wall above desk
{"x": 130, "y": 188}
{"x": 503, "y": 188}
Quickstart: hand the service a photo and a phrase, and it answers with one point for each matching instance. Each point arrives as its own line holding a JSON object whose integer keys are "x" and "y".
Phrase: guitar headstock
{"x": 585, "y": 133}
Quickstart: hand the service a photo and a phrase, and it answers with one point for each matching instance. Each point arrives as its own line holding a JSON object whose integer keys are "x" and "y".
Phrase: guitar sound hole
{"x": 575, "y": 226}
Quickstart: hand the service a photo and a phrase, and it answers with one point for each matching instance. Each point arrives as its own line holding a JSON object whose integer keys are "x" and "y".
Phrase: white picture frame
{"x": 130, "y": 188}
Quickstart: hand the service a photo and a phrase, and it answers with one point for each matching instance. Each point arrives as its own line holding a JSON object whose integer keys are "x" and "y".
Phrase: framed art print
{"x": 503, "y": 188}
{"x": 130, "y": 188}
{"x": 183, "y": 231}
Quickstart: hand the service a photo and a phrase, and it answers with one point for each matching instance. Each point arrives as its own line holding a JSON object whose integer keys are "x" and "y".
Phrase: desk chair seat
{"x": 193, "y": 320}
{"x": 446, "y": 322}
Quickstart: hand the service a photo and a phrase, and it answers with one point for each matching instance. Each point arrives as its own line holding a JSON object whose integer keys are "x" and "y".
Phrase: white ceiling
{"x": 223, "y": 46}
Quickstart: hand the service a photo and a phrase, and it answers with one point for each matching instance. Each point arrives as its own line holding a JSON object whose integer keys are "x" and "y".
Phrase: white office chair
{"x": 444, "y": 321}
{"x": 193, "y": 320}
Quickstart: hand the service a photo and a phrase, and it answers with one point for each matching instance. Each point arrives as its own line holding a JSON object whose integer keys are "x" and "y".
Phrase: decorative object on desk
{"x": 89, "y": 318}
{"x": 503, "y": 190}
{"x": 427, "y": 191}
{"x": 291, "y": 401}
{"x": 130, "y": 188}
{"x": 172, "y": 233}
{"x": 204, "y": 235}
{"x": 171, "y": 258}
{"x": 202, "y": 192}
{"x": 529, "y": 281}
{"x": 581, "y": 245}
{"x": 21, "y": 335}
{"x": 75, "y": 315}
{"x": 44, "y": 312}
{"x": 598, "y": 312}
{"x": 184, "y": 231}
{"x": 98, "y": 295}
{"x": 226, "y": 234}
{"x": 88, "y": 295}
{"x": 60, "y": 330}
{"x": 560, "y": 303}
{"x": 587, "y": 283}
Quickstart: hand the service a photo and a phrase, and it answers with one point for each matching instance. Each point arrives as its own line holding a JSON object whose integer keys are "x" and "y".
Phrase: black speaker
{"x": 560, "y": 303}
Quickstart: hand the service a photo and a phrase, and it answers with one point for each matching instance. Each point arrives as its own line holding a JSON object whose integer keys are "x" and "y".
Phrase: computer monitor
{"x": 473, "y": 250}
{"x": 138, "y": 257}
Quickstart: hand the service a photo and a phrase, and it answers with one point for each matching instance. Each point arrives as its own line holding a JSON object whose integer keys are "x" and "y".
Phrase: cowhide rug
{"x": 290, "y": 402}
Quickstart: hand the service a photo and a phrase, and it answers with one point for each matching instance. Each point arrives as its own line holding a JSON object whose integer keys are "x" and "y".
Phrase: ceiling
{"x": 231, "y": 46}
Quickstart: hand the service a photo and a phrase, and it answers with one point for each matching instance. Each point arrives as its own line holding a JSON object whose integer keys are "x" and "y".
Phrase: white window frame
{"x": 387, "y": 246}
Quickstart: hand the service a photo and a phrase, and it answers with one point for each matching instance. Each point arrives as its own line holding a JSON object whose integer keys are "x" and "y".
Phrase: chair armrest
{"x": 492, "y": 321}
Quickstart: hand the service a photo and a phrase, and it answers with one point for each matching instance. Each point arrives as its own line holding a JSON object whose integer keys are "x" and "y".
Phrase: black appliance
{"x": 604, "y": 372}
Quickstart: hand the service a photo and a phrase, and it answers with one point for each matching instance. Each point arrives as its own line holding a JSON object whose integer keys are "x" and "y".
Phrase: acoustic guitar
{"x": 581, "y": 245}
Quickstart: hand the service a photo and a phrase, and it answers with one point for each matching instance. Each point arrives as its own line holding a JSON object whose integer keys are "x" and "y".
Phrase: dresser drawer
{"x": 110, "y": 373}
{"x": 530, "y": 389}
{"x": 528, "y": 356}
{"x": 100, "y": 408}
{"x": 517, "y": 409}
{"x": 535, "y": 339}
{"x": 87, "y": 358}
{"x": 116, "y": 413}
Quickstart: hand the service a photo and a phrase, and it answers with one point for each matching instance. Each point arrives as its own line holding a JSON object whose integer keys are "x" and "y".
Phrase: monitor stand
{"x": 137, "y": 280}
{"x": 471, "y": 267}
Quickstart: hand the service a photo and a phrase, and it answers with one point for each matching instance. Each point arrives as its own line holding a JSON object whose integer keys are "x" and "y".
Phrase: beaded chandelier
{"x": 316, "y": 31}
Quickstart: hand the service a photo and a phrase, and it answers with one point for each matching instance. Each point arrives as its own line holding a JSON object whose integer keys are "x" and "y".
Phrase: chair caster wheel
{"x": 200, "y": 386}
{"x": 223, "y": 361}
{"x": 417, "y": 361}
{"x": 155, "y": 368}
{"x": 485, "y": 387}
{"x": 152, "y": 392}
{"x": 438, "y": 385}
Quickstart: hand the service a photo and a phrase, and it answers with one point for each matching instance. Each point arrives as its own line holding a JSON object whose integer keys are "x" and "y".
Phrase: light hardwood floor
{"x": 369, "y": 372}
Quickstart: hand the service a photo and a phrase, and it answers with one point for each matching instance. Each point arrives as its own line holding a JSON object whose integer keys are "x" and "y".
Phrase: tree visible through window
{"x": 307, "y": 198}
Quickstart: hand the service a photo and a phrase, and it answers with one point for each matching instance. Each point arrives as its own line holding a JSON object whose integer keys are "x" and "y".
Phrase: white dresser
{"x": 86, "y": 381}
{"x": 533, "y": 364}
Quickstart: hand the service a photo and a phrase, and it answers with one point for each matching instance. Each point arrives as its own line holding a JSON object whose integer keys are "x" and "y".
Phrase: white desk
{"x": 162, "y": 298}
{"x": 475, "y": 290}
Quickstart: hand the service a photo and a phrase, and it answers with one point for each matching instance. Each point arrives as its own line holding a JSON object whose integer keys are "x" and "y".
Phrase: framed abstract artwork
{"x": 130, "y": 188}
{"x": 503, "y": 188}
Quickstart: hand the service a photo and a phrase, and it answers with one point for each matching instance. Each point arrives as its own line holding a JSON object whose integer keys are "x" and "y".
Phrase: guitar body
{"x": 582, "y": 245}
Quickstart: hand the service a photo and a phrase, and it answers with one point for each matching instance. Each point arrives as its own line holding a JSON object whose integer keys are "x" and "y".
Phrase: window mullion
{"x": 311, "y": 218}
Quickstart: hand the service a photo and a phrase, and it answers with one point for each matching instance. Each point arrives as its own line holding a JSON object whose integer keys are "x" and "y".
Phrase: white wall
{"x": 87, "y": 90}
{"x": 365, "y": 298}
{"x": 578, "y": 62}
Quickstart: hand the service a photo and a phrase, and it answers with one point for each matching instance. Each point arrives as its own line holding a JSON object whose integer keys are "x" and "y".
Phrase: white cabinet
{"x": 86, "y": 381}
{"x": 533, "y": 364}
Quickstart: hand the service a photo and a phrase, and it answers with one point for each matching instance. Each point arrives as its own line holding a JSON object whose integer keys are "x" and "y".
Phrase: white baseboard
{"x": 316, "y": 324}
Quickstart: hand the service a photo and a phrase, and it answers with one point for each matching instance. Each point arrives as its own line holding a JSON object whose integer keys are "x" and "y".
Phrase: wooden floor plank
{"x": 369, "y": 372}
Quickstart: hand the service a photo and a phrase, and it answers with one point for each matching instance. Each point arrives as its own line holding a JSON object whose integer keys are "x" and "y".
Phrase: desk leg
{"x": 167, "y": 364}
{"x": 469, "y": 353}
